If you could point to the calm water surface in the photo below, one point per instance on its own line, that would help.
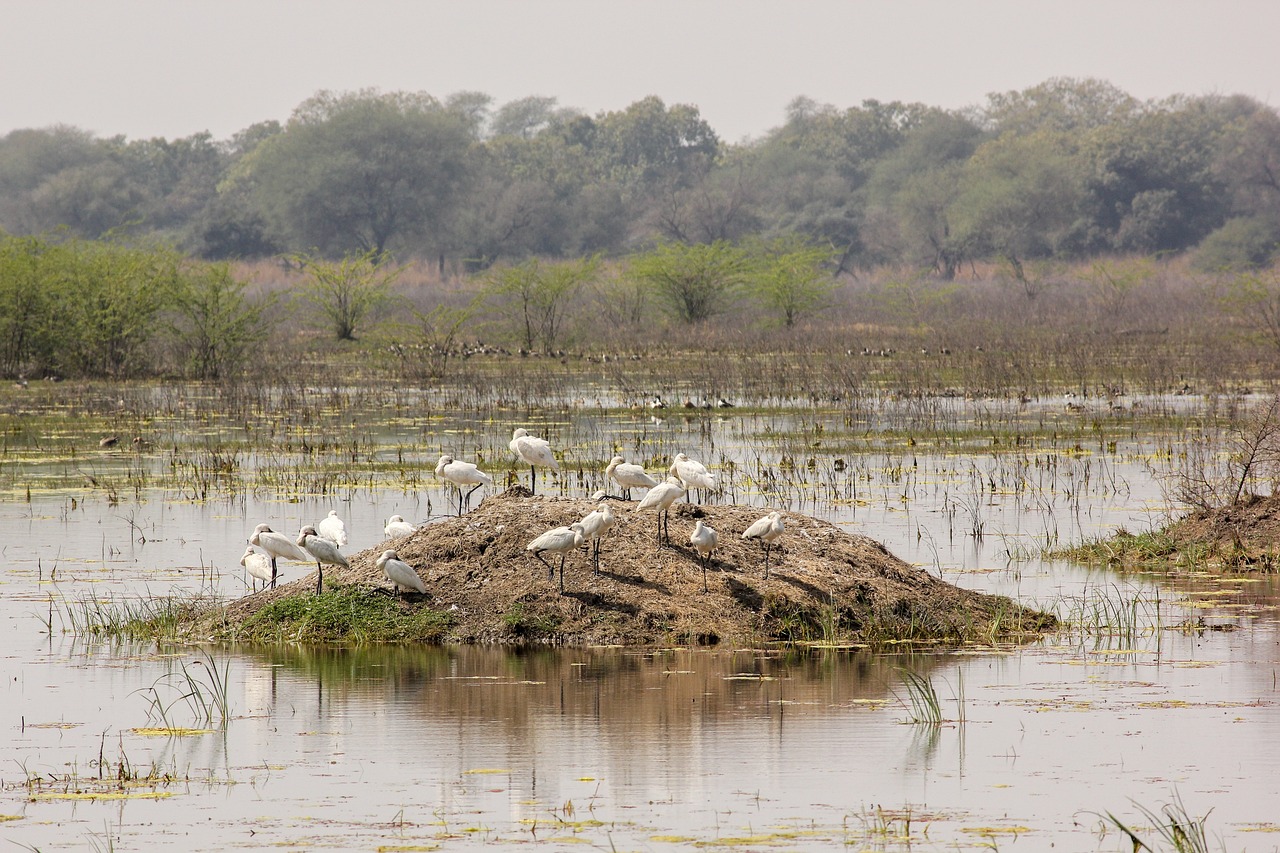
(624, 749)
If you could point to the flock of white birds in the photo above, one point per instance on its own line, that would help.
(322, 542)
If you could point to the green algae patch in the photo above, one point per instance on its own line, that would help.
(170, 731)
(102, 795)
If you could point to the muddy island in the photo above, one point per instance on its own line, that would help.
(483, 586)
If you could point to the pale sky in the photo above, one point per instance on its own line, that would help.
(171, 68)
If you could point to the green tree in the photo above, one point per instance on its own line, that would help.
(792, 278)
(216, 325)
(361, 171)
(26, 299)
(693, 282)
(1254, 298)
(347, 292)
(540, 296)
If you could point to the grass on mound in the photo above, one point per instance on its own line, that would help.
(346, 614)
(350, 614)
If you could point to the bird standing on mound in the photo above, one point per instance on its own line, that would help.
(258, 566)
(332, 528)
(400, 573)
(595, 525)
(322, 551)
(397, 527)
(558, 540)
(628, 476)
(277, 545)
(535, 452)
(463, 474)
(765, 530)
(661, 497)
(692, 473)
(704, 540)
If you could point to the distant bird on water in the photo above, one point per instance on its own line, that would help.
(558, 540)
(660, 498)
(628, 476)
(332, 528)
(534, 452)
(400, 573)
(704, 540)
(322, 551)
(259, 567)
(765, 530)
(397, 527)
(462, 474)
(277, 545)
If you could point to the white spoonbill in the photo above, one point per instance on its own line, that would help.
(322, 551)
(661, 497)
(693, 474)
(258, 566)
(397, 527)
(595, 525)
(766, 530)
(462, 474)
(277, 545)
(400, 573)
(332, 528)
(704, 540)
(533, 451)
(628, 476)
(558, 540)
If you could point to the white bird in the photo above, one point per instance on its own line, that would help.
(533, 451)
(397, 527)
(661, 497)
(628, 476)
(322, 551)
(332, 528)
(558, 540)
(277, 545)
(704, 540)
(400, 573)
(766, 530)
(462, 474)
(595, 525)
(258, 566)
(693, 474)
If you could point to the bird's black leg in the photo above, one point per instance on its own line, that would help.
(704, 574)
(473, 488)
(459, 501)
(273, 572)
(551, 570)
(766, 561)
(562, 556)
(533, 480)
(319, 577)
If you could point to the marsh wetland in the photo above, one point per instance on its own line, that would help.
(1155, 698)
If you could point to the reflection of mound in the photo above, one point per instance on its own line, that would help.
(823, 584)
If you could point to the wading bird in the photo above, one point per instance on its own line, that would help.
(558, 540)
(661, 497)
(765, 530)
(693, 474)
(628, 476)
(533, 451)
(462, 474)
(400, 573)
(332, 528)
(259, 567)
(595, 525)
(397, 527)
(322, 551)
(704, 540)
(277, 545)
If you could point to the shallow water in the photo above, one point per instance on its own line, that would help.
(652, 750)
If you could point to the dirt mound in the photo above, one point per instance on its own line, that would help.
(824, 583)
(1244, 535)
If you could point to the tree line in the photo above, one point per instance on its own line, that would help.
(1065, 170)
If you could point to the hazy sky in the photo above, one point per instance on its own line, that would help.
(171, 68)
